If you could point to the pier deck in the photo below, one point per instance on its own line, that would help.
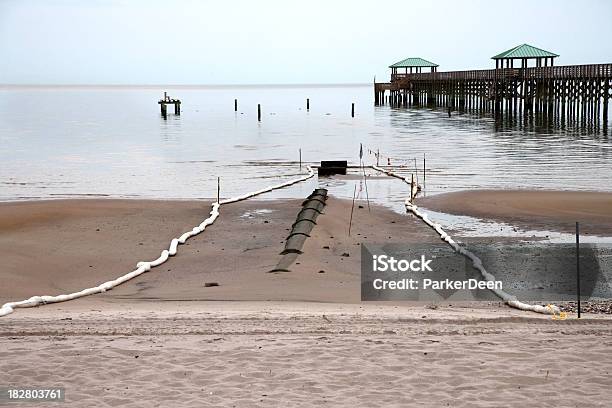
(535, 88)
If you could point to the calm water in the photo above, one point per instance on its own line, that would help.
(73, 142)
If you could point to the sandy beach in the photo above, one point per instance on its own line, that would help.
(259, 354)
(298, 338)
(532, 209)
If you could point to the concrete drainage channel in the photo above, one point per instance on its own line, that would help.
(305, 221)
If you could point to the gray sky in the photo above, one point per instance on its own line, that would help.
(264, 42)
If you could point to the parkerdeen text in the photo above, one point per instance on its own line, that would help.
(415, 284)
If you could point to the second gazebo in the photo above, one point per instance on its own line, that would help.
(524, 52)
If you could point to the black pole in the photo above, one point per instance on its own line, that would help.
(307, 104)
(352, 110)
(578, 265)
(235, 105)
(352, 208)
(258, 112)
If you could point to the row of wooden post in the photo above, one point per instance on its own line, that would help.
(307, 108)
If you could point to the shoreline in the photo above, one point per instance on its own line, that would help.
(554, 210)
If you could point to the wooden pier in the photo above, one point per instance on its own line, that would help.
(163, 103)
(581, 90)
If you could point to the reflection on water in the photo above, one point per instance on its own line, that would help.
(558, 120)
(66, 142)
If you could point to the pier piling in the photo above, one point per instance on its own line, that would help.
(258, 112)
(352, 110)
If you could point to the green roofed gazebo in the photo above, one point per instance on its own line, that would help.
(412, 63)
(524, 52)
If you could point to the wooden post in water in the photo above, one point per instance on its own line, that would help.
(411, 186)
(307, 104)
(258, 112)
(218, 189)
(235, 105)
(353, 110)
(300, 159)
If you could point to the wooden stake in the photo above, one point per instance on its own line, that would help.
(258, 112)
(300, 159)
(353, 110)
(218, 189)
(411, 186)
(307, 104)
(578, 266)
(352, 208)
(235, 105)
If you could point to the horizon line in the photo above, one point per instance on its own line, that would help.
(86, 85)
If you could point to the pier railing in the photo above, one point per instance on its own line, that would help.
(591, 71)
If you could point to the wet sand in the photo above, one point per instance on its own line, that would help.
(54, 247)
(528, 209)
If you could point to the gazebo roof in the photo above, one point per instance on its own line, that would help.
(413, 62)
(525, 51)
